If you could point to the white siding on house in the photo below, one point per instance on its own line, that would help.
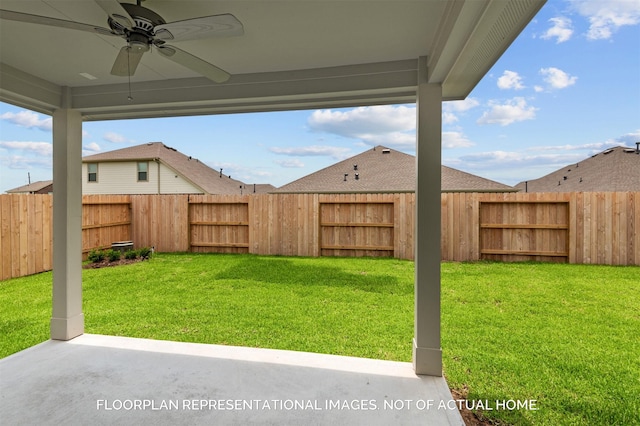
(172, 182)
(122, 178)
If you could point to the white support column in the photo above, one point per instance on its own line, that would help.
(427, 354)
(67, 320)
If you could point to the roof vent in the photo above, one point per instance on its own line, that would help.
(355, 167)
(386, 151)
(357, 176)
(609, 151)
(637, 147)
(345, 176)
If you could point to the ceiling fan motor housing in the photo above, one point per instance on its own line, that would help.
(138, 42)
(140, 35)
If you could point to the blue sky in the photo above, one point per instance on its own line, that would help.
(567, 88)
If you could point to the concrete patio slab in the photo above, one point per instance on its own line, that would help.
(103, 380)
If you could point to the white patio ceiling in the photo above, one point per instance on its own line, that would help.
(293, 55)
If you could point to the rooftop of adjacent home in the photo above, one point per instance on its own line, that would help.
(382, 169)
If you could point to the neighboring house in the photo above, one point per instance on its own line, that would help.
(384, 170)
(40, 187)
(614, 169)
(155, 168)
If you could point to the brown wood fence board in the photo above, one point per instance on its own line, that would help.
(575, 227)
(360, 223)
(633, 219)
(36, 231)
(521, 229)
(218, 225)
(5, 238)
(47, 233)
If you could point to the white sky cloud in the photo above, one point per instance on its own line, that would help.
(561, 30)
(290, 164)
(455, 140)
(241, 172)
(336, 152)
(535, 164)
(398, 140)
(373, 119)
(44, 149)
(28, 119)
(510, 80)
(606, 17)
(557, 79)
(461, 106)
(535, 161)
(20, 162)
(452, 109)
(115, 138)
(449, 117)
(389, 125)
(507, 113)
(91, 148)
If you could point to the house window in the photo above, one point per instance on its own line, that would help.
(92, 172)
(143, 168)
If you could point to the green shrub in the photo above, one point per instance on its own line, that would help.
(130, 254)
(113, 255)
(96, 256)
(145, 252)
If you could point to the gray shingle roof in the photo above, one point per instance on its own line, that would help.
(195, 171)
(384, 170)
(614, 169)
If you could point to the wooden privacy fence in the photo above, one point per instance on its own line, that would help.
(26, 231)
(601, 227)
(276, 224)
(105, 219)
(524, 230)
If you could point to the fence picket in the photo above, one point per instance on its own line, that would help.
(583, 227)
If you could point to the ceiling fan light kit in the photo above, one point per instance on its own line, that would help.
(143, 28)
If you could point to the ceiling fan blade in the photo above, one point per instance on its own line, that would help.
(116, 12)
(225, 25)
(194, 63)
(53, 22)
(126, 62)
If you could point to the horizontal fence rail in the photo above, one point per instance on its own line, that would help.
(598, 227)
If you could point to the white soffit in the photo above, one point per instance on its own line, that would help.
(293, 55)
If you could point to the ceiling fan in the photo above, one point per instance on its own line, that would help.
(143, 28)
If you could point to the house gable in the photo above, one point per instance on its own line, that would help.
(382, 169)
(614, 169)
(169, 172)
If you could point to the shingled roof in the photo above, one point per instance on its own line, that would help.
(614, 169)
(384, 170)
(192, 169)
(40, 187)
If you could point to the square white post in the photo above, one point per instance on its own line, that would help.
(67, 319)
(427, 354)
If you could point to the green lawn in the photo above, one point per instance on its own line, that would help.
(563, 335)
